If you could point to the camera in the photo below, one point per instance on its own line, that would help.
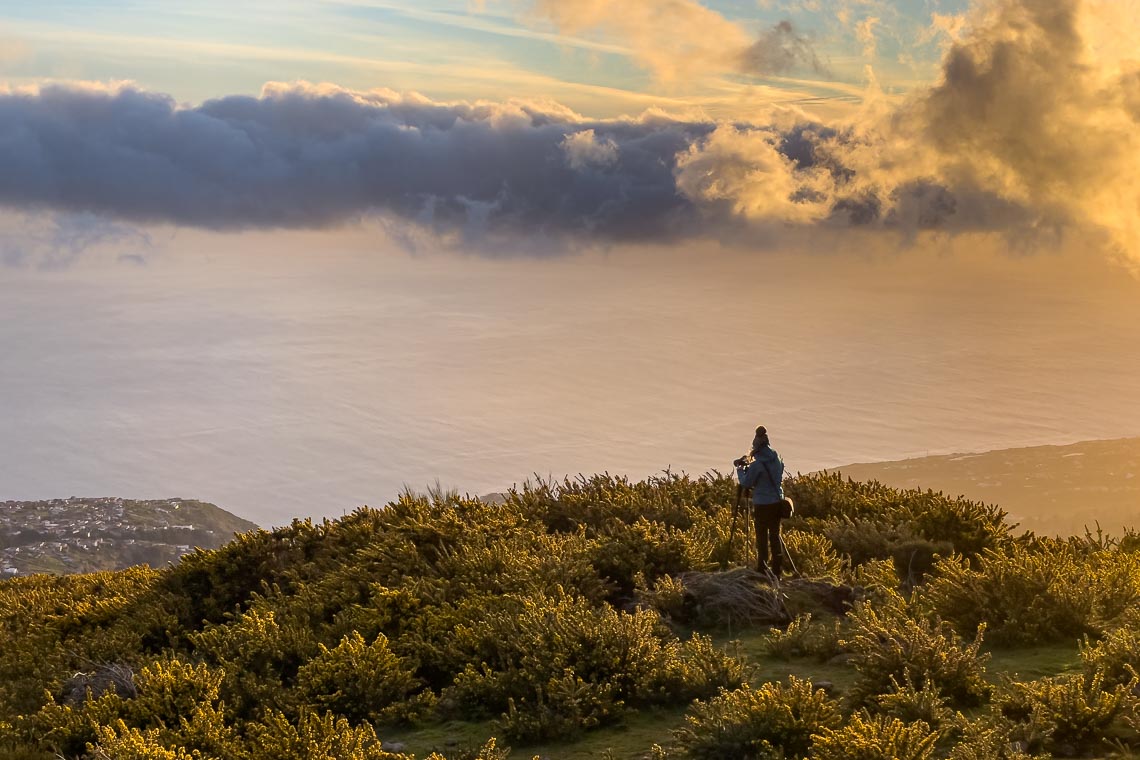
(743, 461)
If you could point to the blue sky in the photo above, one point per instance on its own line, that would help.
(445, 49)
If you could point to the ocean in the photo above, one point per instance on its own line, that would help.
(292, 383)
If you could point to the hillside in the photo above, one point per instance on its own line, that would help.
(592, 617)
(1052, 490)
(83, 535)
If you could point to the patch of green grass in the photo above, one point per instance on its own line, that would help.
(751, 645)
(1030, 663)
(445, 738)
(629, 740)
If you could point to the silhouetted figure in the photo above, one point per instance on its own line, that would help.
(765, 476)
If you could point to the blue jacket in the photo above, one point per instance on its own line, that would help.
(765, 489)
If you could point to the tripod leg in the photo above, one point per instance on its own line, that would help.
(788, 556)
(731, 539)
(732, 528)
(749, 527)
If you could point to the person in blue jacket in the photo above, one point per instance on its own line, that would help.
(765, 476)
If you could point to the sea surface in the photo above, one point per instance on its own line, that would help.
(299, 383)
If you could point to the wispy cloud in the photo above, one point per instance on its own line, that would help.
(681, 39)
(57, 240)
(482, 20)
(12, 49)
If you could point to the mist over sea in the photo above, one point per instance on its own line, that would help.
(306, 384)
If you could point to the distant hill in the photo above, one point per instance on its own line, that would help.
(80, 535)
(1046, 489)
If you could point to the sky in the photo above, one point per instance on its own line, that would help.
(950, 171)
(575, 53)
(574, 123)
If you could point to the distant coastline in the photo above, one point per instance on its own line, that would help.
(1050, 490)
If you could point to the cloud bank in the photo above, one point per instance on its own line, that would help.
(1032, 129)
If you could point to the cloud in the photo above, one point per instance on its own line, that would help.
(58, 240)
(1030, 131)
(584, 149)
(682, 39)
(779, 50)
(12, 50)
(302, 156)
(1032, 126)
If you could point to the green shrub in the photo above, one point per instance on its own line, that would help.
(1066, 714)
(178, 699)
(360, 681)
(814, 555)
(624, 552)
(1116, 657)
(259, 656)
(695, 669)
(490, 750)
(667, 597)
(891, 647)
(1023, 596)
(968, 527)
(560, 709)
(774, 721)
(910, 704)
(988, 739)
(314, 736)
(804, 637)
(120, 742)
(875, 738)
(547, 648)
(876, 576)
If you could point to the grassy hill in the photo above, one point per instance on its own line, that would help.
(83, 535)
(590, 618)
(1055, 490)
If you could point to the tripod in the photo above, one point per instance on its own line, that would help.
(741, 506)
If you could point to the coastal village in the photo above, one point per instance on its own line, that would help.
(76, 535)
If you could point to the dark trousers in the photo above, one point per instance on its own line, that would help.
(767, 519)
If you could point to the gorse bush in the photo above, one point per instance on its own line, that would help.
(552, 653)
(891, 647)
(174, 700)
(120, 742)
(314, 736)
(361, 681)
(814, 555)
(805, 637)
(969, 527)
(565, 607)
(1022, 595)
(910, 704)
(776, 721)
(1037, 592)
(875, 738)
(1115, 659)
(1068, 714)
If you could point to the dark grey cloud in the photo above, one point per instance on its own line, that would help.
(308, 157)
(316, 157)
